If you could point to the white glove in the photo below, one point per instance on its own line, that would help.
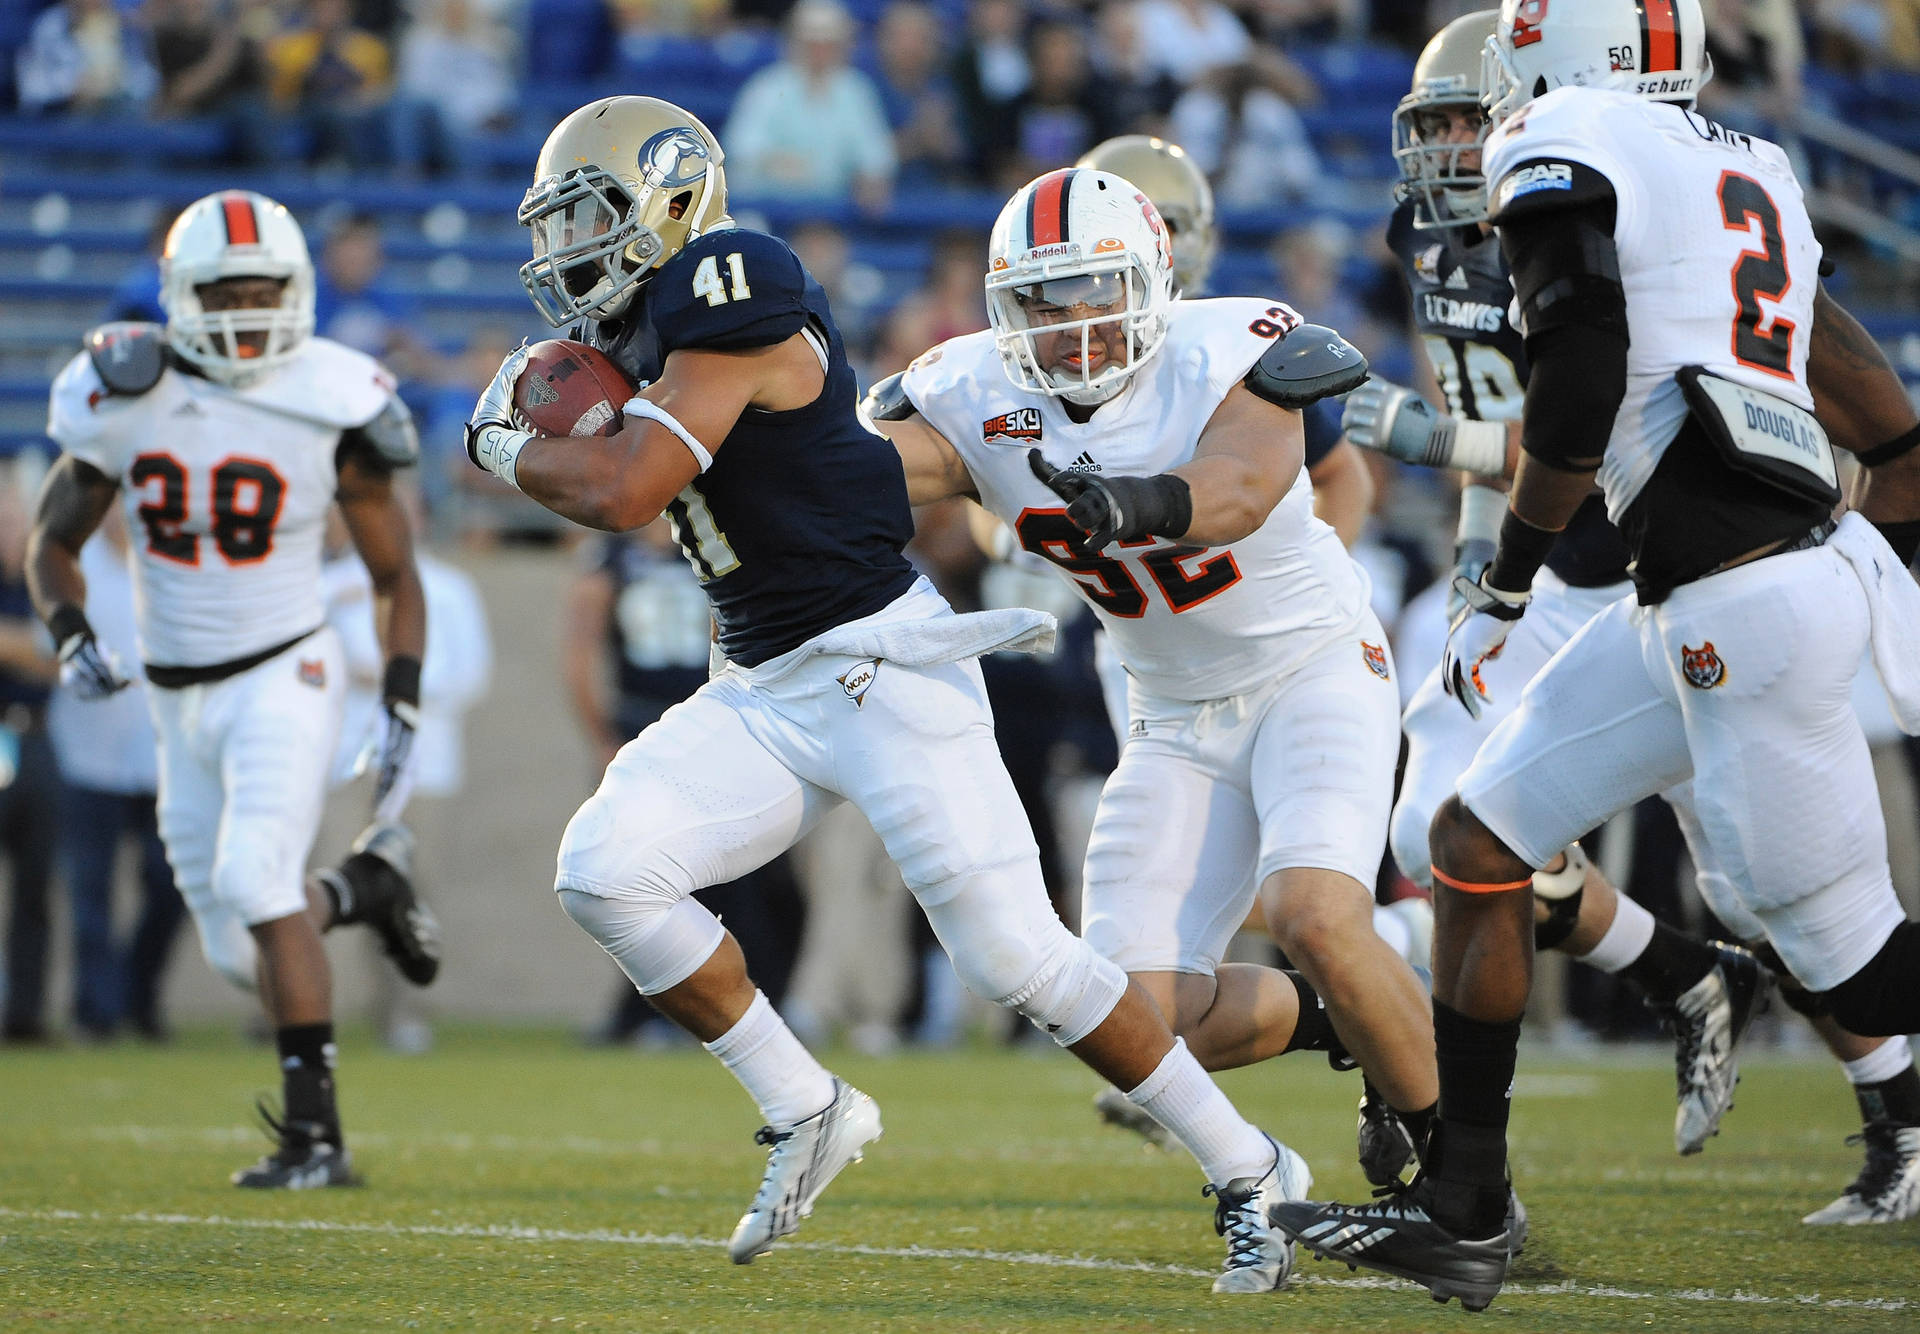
(493, 440)
(388, 753)
(89, 669)
(1479, 632)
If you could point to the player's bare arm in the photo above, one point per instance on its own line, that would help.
(381, 534)
(73, 501)
(1342, 492)
(1244, 462)
(933, 466)
(1865, 410)
(623, 481)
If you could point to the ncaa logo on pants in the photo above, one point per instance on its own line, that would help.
(1702, 666)
(858, 679)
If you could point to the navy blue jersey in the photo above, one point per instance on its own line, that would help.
(799, 524)
(1461, 297)
(657, 627)
(1322, 425)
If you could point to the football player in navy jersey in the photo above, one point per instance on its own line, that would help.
(1461, 293)
(845, 675)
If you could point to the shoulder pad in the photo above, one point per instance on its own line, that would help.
(887, 401)
(1547, 184)
(392, 436)
(1308, 364)
(129, 356)
(729, 291)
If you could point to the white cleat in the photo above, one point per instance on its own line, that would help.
(1259, 1255)
(801, 1160)
(1116, 1109)
(1888, 1187)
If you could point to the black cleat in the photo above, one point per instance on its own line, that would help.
(1708, 1021)
(309, 1156)
(374, 887)
(1386, 1146)
(1396, 1235)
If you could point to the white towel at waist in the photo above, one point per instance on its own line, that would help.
(1893, 602)
(919, 629)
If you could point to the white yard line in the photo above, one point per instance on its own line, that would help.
(611, 1237)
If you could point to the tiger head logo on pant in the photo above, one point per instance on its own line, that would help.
(1703, 667)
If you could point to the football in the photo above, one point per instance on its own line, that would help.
(568, 388)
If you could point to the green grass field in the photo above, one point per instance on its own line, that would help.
(516, 1182)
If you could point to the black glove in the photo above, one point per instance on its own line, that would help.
(1118, 509)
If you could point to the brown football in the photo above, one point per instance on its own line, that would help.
(568, 388)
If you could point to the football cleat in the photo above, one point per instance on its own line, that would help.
(1888, 1187)
(1386, 1146)
(1259, 1256)
(1397, 1235)
(1708, 1020)
(1116, 1109)
(374, 887)
(308, 1156)
(801, 1160)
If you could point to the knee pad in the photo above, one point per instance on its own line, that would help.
(1797, 998)
(229, 950)
(258, 888)
(1883, 998)
(1560, 892)
(658, 941)
(1072, 991)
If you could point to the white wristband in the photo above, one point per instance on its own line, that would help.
(1480, 447)
(1482, 511)
(497, 449)
(646, 407)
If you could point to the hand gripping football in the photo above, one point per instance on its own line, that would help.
(568, 388)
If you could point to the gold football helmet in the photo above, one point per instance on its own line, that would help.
(1178, 188)
(1434, 171)
(621, 187)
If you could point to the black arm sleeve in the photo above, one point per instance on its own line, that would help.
(1566, 275)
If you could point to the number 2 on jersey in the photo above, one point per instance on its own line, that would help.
(247, 494)
(1758, 274)
(1051, 535)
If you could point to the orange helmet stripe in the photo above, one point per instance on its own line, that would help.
(1659, 36)
(1047, 209)
(242, 228)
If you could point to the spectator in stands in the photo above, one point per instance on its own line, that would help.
(1061, 115)
(1865, 34)
(30, 792)
(1135, 90)
(337, 78)
(989, 75)
(917, 93)
(1757, 55)
(810, 126)
(211, 67)
(1189, 37)
(353, 304)
(455, 84)
(83, 56)
(1240, 126)
(644, 19)
(636, 643)
(1286, 21)
(854, 287)
(109, 762)
(951, 303)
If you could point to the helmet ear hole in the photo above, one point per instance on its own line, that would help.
(678, 205)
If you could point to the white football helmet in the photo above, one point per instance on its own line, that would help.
(621, 187)
(1434, 173)
(1072, 240)
(1656, 49)
(236, 234)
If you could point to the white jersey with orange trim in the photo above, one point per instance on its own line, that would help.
(1717, 255)
(226, 490)
(1189, 622)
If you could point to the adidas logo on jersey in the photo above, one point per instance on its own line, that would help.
(1084, 463)
(1022, 424)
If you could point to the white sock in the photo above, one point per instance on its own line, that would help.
(1184, 1099)
(1626, 938)
(1881, 1064)
(778, 1073)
